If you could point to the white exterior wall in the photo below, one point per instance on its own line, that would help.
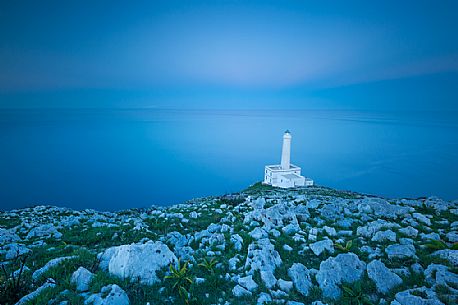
(286, 151)
(277, 178)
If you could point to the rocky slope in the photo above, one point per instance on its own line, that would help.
(262, 246)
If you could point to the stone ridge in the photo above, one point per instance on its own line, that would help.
(264, 245)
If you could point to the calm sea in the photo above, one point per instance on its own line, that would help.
(110, 159)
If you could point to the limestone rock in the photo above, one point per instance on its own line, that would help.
(268, 278)
(322, 245)
(450, 255)
(47, 230)
(409, 231)
(437, 274)
(13, 250)
(384, 279)
(291, 229)
(258, 233)
(26, 299)
(81, 278)
(301, 278)
(52, 263)
(264, 298)
(344, 268)
(109, 295)
(285, 285)
(237, 241)
(262, 256)
(138, 261)
(239, 291)
(7, 236)
(417, 296)
(422, 218)
(400, 251)
(452, 236)
(248, 283)
(382, 236)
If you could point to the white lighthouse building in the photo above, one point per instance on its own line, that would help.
(285, 174)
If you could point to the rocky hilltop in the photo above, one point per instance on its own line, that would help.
(263, 245)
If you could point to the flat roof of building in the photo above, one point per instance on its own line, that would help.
(277, 167)
(291, 176)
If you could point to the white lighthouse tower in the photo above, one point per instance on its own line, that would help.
(285, 174)
(286, 150)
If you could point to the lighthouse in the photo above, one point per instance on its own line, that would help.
(286, 150)
(285, 174)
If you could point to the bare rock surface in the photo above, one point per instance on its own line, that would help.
(261, 245)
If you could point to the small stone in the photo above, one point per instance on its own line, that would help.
(248, 283)
(258, 233)
(268, 278)
(422, 218)
(109, 295)
(263, 298)
(294, 303)
(291, 229)
(330, 231)
(409, 231)
(285, 285)
(400, 251)
(287, 248)
(322, 245)
(382, 236)
(81, 278)
(239, 291)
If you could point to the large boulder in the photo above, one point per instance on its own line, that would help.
(137, 261)
(301, 278)
(344, 268)
(384, 278)
(109, 295)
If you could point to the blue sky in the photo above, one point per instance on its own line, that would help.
(230, 54)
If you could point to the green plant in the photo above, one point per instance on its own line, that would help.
(13, 284)
(209, 265)
(354, 295)
(436, 245)
(345, 248)
(182, 279)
